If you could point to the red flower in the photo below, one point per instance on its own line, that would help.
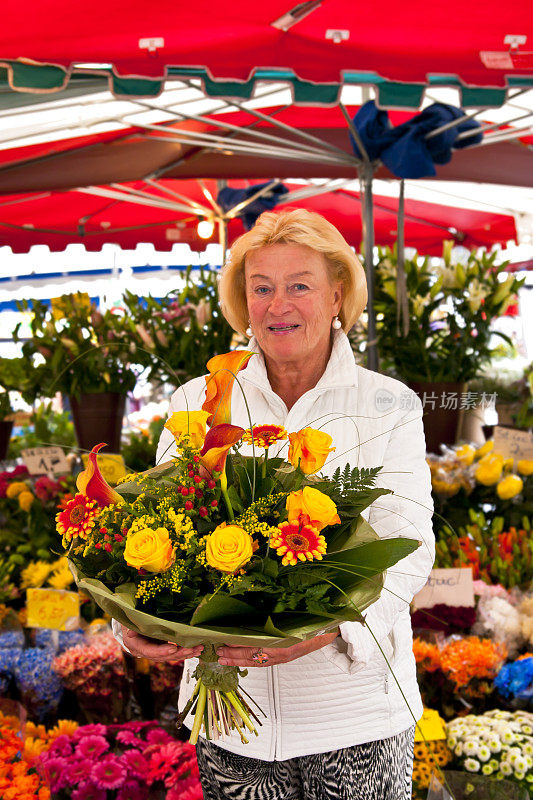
(90, 482)
(78, 517)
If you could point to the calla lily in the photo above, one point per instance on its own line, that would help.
(218, 442)
(92, 484)
(219, 384)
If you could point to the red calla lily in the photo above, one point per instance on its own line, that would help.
(219, 384)
(218, 442)
(91, 482)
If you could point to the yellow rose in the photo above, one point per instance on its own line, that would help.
(489, 469)
(525, 466)
(14, 489)
(25, 499)
(484, 449)
(320, 508)
(228, 548)
(465, 454)
(192, 423)
(149, 549)
(309, 449)
(509, 487)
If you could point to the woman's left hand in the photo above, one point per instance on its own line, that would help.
(243, 656)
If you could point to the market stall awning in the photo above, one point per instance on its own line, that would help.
(228, 45)
(169, 213)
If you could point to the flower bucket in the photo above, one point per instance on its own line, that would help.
(442, 411)
(6, 426)
(97, 418)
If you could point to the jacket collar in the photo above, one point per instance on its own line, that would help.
(341, 369)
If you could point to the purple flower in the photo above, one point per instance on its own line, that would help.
(88, 791)
(108, 773)
(92, 746)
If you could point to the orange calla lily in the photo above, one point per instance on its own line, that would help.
(218, 442)
(92, 484)
(219, 384)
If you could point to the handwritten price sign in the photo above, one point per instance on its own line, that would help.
(430, 727)
(53, 608)
(453, 587)
(512, 443)
(45, 461)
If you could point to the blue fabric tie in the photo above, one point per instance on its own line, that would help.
(404, 149)
(228, 198)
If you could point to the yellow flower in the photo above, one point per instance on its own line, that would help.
(525, 466)
(25, 500)
(320, 509)
(33, 748)
(64, 727)
(509, 487)
(508, 464)
(465, 454)
(489, 469)
(14, 489)
(488, 447)
(309, 449)
(34, 575)
(188, 423)
(61, 576)
(228, 548)
(149, 549)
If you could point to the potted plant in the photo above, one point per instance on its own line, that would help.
(177, 334)
(448, 339)
(87, 356)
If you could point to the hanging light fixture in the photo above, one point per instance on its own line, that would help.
(205, 228)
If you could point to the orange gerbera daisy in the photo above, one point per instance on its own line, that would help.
(78, 517)
(298, 543)
(65, 500)
(265, 435)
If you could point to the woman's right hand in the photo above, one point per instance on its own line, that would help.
(155, 650)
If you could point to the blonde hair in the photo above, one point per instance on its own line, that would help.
(293, 226)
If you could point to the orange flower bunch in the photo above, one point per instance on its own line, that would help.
(429, 757)
(427, 655)
(18, 780)
(472, 657)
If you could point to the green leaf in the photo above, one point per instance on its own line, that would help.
(371, 558)
(220, 606)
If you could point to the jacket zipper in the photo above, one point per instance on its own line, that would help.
(275, 715)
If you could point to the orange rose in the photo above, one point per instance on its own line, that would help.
(320, 509)
(309, 449)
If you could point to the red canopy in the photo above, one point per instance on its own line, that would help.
(60, 218)
(399, 41)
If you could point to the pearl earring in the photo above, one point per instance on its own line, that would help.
(336, 324)
(249, 332)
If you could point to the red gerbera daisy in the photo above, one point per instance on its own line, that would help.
(298, 543)
(264, 435)
(78, 517)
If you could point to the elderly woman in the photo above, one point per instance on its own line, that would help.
(341, 707)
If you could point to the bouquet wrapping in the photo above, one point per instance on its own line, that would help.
(233, 541)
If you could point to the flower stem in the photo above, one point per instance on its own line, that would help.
(264, 464)
(198, 717)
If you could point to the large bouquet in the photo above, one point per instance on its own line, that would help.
(214, 548)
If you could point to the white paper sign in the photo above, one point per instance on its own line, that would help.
(45, 460)
(452, 587)
(512, 443)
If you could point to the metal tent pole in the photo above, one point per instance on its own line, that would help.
(366, 175)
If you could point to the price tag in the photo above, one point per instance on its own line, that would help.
(45, 460)
(430, 727)
(452, 587)
(111, 465)
(53, 608)
(512, 443)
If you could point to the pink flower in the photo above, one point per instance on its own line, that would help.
(158, 736)
(164, 759)
(62, 746)
(55, 773)
(193, 792)
(79, 771)
(108, 773)
(88, 791)
(133, 791)
(86, 730)
(135, 763)
(129, 739)
(92, 746)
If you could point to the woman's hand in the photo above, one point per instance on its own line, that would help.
(155, 650)
(242, 656)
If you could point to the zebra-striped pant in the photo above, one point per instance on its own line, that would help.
(379, 770)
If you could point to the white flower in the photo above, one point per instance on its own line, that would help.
(483, 752)
(500, 776)
(487, 769)
(506, 768)
(459, 749)
(470, 747)
(528, 748)
(471, 765)
(519, 776)
(494, 763)
(520, 764)
(508, 737)
(495, 744)
(527, 729)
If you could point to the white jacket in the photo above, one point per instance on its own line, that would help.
(345, 693)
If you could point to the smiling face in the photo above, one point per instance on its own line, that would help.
(291, 302)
